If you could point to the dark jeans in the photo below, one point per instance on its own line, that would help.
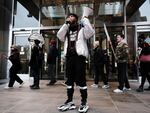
(52, 72)
(75, 73)
(122, 75)
(106, 74)
(145, 70)
(75, 70)
(99, 72)
(36, 76)
(13, 77)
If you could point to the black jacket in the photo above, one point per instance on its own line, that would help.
(145, 51)
(15, 60)
(36, 58)
(52, 54)
(98, 56)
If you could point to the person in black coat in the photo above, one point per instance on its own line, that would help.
(100, 60)
(51, 60)
(15, 68)
(35, 64)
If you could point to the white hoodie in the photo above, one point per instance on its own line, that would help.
(85, 33)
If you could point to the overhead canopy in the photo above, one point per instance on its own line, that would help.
(104, 10)
(132, 7)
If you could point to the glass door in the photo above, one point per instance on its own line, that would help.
(142, 33)
(50, 34)
(20, 38)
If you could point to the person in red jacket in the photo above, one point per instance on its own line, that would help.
(51, 60)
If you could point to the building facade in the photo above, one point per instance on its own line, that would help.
(21, 18)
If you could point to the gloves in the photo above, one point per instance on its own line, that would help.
(81, 23)
(68, 21)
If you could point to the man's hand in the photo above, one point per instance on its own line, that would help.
(68, 21)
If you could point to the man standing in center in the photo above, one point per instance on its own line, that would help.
(74, 36)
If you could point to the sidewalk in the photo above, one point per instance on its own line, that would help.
(48, 98)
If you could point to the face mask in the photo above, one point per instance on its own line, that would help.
(36, 42)
(73, 27)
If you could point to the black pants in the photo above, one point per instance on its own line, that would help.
(13, 77)
(99, 73)
(52, 72)
(75, 73)
(106, 74)
(122, 75)
(36, 76)
(145, 70)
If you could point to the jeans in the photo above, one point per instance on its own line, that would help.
(36, 76)
(75, 72)
(145, 70)
(52, 72)
(13, 77)
(122, 75)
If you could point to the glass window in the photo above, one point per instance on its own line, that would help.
(144, 10)
(110, 12)
(53, 11)
(111, 8)
(52, 15)
(23, 18)
(55, 15)
(78, 9)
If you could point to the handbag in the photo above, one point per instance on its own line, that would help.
(144, 58)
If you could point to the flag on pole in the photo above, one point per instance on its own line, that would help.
(108, 38)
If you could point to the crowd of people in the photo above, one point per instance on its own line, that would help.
(75, 36)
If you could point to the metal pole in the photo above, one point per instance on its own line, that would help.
(39, 15)
(10, 39)
(125, 20)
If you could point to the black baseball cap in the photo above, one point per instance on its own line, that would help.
(72, 14)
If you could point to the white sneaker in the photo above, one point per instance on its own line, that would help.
(126, 89)
(118, 91)
(21, 85)
(8, 87)
(94, 85)
(67, 106)
(105, 86)
(83, 108)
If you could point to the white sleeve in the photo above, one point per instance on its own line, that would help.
(88, 29)
(61, 34)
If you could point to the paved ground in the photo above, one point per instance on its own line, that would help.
(48, 98)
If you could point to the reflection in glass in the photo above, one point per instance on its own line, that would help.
(53, 11)
(23, 44)
(111, 8)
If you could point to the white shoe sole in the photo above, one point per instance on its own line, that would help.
(84, 111)
(66, 108)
